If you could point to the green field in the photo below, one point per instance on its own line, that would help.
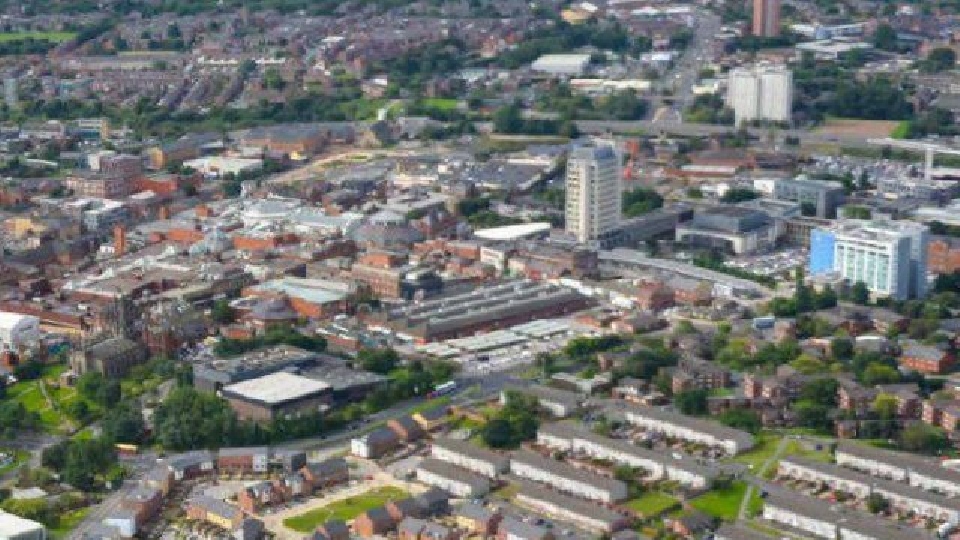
(443, 104)
(346, 510)
(56, 37)
(652, 504)
(30, 394)
(766, 447)
(725, 503)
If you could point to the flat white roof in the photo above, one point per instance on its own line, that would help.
(12, 526)
(276, 387)
(512, 232)
(11, 320)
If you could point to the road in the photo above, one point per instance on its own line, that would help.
(686, 70)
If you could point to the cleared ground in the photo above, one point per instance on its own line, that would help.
(852, 127)
(56, 37)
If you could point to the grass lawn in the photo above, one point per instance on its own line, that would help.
(725, 503)
(652, 504)
(347, 509)
(57, 37)
(507, 492)
(68, 522)
(19, 456)
(29, 394)
(761, 452)
(444, 104)
(431, 404)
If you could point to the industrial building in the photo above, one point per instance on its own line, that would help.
(280, 394)
(569, 65)
(214, 374)
(761, 92)
(890, 257)
(484, 308)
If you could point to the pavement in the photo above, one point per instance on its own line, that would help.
(745, 503)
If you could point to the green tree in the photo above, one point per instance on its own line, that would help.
(885, 405)
(876, 503)
(380, 361)
(823, 391)
(743, 419)
(885, 38)
(859, 293)
(876, 374)
(191, 419)
(222, 312)
(924, 438)
(692, 402)
(939, 59)
(841, 348)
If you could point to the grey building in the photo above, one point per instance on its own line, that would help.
(825, 196)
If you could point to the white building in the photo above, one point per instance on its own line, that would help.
(890, 257)
(470, 457)
(18, 331)
(17, 528)
(570, 65)
(760, 92)
(687, 428)
(915, 470)
(658, 466)
(458, 481)
(593, 193)
(563, 477)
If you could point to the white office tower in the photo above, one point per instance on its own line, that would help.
(760, 92)
(593, 193)
(890, 257)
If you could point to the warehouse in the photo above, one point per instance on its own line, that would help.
(482, 309)
(280, 394)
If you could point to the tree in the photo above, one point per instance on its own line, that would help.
(514, 423)
(736, 195)
(875, 374)
(640, 201)
(380, 361)
(885, 405)
(693, 402)
(841, 348)
(123, 424)
(876, 503)
(823, 391)
(939, 59)
(826, 298)
(924, 438)
(813, 415)
(508, 119)
(222, 313)
(859, 293)
(191, 419)
(808, 365)
(885, 38)
(743, 419)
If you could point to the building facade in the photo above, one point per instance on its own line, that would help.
(766, 18)
(593, 193)
(761, 92)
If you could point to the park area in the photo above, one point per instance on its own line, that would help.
(56, 37)
(345, 509)
(724, 503)
(652, 504)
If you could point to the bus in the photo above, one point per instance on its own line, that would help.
(443, 389)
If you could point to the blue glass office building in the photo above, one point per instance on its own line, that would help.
(822, 243)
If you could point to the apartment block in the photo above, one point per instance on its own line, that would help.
(567, 478)
(899, 466)
(584, 514)
(687, 428)
(458, 481)
(470, 457)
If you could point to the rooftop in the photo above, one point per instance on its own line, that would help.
(276, 388)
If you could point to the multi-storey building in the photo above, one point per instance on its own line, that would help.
(761, 92)
(943, 255)
(889, 257)
(593, 193)
(824, 196)
(766, 18)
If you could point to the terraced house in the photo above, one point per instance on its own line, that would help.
(687, 428)
(563, 477)
(470, 457)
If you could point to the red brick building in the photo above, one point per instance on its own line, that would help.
(943, 255)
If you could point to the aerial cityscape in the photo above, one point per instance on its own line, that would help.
(484, 269)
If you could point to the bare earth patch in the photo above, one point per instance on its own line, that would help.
(863, 128)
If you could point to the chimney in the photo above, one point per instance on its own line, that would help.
(119, 240)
